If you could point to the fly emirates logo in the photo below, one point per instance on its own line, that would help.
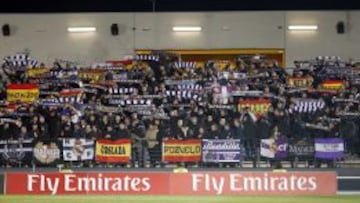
(262, 182)
(94, 183)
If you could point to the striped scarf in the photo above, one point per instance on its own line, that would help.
(307, 106)
(72, 99)
(63, 73)
(145, 57)
(112, 68)
(130, 102)
(72, 96)
(19, 60)
(183, 95)
(121, 90)
(184, 64)
(58, 101)
(189, 87)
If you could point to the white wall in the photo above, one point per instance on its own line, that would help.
(243, 30)
(324, 41)
(46, 36)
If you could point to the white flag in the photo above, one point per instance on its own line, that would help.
(78, 149)
(267, 148)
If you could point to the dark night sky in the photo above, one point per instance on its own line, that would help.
(20, 6)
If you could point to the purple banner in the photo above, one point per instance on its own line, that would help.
(329, 148)
(272, 148)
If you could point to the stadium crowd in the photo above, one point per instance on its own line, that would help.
(155, 98)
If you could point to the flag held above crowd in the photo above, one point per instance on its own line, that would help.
(258, 107)
(299, 82)
(333, 84)
(22, 92)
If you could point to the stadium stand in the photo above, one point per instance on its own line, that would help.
(149, 113)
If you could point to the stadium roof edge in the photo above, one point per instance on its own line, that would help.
(67, 6)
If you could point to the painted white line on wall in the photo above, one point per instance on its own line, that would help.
(348, 177)
(348, 192)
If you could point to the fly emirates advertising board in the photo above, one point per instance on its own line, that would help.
(195, 183)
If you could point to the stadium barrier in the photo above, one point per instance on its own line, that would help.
(71, 150)
(167, 183)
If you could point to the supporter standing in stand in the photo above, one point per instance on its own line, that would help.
(250, 137)
(53, 120)
(140, 144)
(152, 137)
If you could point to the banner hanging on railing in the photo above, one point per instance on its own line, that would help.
(78, 149)
(301, 149)
(271, 148)
(181, 150)
(329, 148)
(221, 150)
(16, 151)
(47, 153)
(113, 151)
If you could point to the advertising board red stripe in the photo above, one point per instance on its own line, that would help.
(167, 183)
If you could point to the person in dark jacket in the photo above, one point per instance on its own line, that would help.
(44, 129)
(109, 133)
(213, 133)
(227, 133)
(263, 128)
(237, 131)
(349, 132)
(121, 132)
(54, 124)
(104, 123)
(140, 144)
(201, 133)
(24, 134)
(6, 130)
(178, 131)
(66, 127)
(193, 127)
(250, 137)
(79, 132)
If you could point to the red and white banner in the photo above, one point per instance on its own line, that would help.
(195, 183)
(254, 183)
